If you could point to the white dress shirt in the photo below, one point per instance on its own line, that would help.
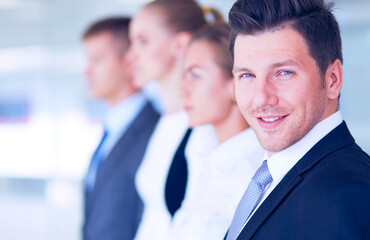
(280, 163)
(152, 174)
(219, 176)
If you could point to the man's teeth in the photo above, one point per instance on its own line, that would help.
(271, 119)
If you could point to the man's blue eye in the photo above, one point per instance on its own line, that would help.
(247, 75)
(285, 72)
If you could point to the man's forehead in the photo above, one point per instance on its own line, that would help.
(268, 50)
(280, 41)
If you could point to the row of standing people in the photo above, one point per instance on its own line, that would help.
(159, 44)
(182, 174)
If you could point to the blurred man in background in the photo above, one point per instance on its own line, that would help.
(112, 206)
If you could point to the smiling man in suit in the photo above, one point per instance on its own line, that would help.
(113, 208)
(314, 181)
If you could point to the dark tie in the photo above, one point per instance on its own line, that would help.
(177, 177)
(250, 200)
(95, 164)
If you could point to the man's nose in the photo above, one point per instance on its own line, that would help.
(265, 92)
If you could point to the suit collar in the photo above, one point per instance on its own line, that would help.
(280, 163)
(121, 115)
(338, 138)
(124, 145)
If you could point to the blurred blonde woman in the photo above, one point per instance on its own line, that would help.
(160, 34)
(219, 170)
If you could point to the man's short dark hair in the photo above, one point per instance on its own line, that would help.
(313, 19)
(117, 26)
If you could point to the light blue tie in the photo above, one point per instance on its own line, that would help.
(250, 200)
(95, 164)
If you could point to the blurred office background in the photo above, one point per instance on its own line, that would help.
(49, 126)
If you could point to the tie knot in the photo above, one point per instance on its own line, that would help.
(263, 176)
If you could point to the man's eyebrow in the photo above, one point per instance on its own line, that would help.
(240, 69)
(289, 62)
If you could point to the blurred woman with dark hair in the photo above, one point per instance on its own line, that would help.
(160, 34)
(219, 170)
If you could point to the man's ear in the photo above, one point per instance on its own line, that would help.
(180, 43)
(334, 79)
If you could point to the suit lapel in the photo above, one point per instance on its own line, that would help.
(338, 138)
(271, 202)
(121, 149)
(124, 147)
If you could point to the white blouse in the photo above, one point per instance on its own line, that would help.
(219, 175)
(152, 174)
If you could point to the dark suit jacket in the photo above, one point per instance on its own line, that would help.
(326, 195)
(113, 209)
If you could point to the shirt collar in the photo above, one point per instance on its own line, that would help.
(280, 163)
(241, 144)
(121, 115)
